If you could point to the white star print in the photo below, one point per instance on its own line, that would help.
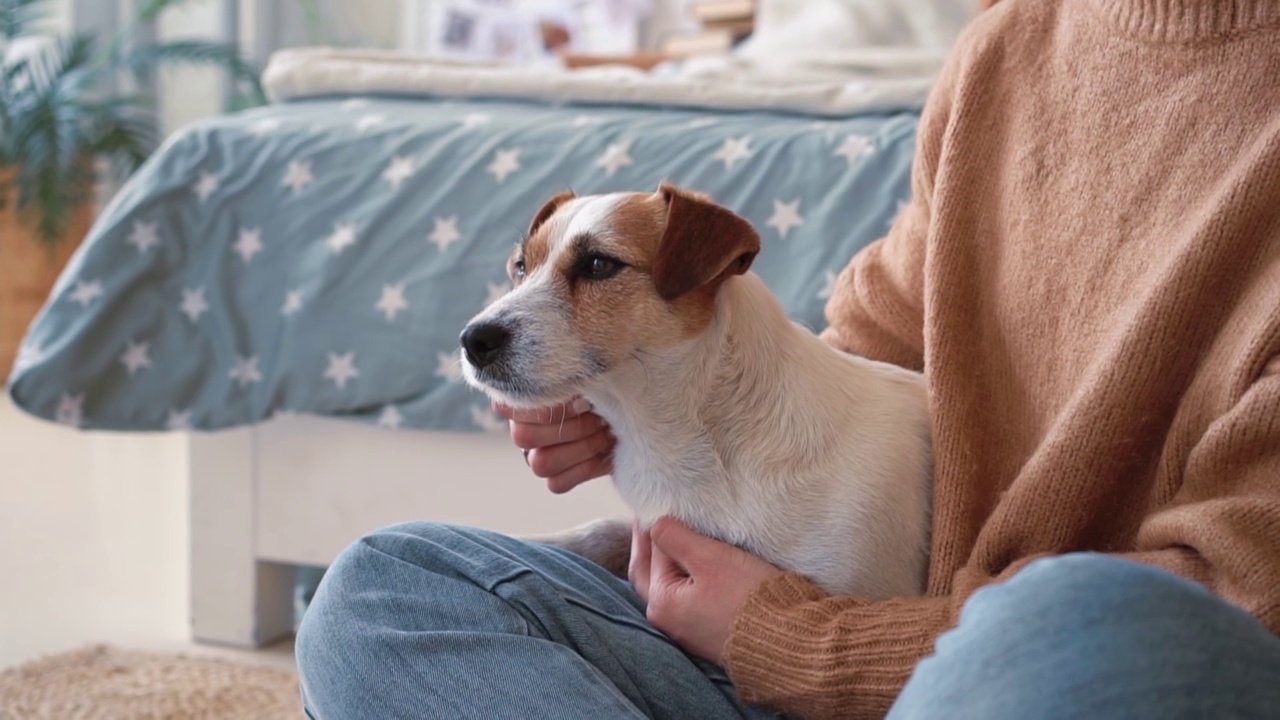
(341, 369)
(70, 410)
(292, 303)
(733, 150)
(144, 236)
(615, 156)
(445, 232)
(249, 244)
(399, 169)
(354, 104)
(785, 217)
(368, 122)
(392, 301)
(28, 355)
(245, 371)
(135, 357)
(86, 292)
(855, 148)
(390, 417)
(484, 418)
(496, 291)
(474, 119)
(179, 420)
(265, 127)
(193, 303)
(504, 163)
(343, 237)
(829, 286)
(206, 186)
(298, 176)
(449, 366)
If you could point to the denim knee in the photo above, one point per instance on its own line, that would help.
(1092, 636)
(1080, 586)
(338, 623)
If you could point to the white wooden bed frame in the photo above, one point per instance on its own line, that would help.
(297, 490)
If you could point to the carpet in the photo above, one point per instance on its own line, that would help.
(107, 683)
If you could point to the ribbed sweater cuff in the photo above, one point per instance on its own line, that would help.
(798, 650)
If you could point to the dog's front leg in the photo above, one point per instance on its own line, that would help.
(606, 543)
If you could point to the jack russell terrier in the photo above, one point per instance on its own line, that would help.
(728, 416)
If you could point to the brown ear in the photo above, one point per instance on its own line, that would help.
(703, 242)
(549, 209)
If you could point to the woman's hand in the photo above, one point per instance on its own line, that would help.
(567, 444)
(693, 586)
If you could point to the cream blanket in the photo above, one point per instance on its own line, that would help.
(875, 79)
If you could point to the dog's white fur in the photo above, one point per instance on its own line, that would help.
(754, 431)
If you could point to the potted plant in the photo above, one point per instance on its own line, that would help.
(69, 120)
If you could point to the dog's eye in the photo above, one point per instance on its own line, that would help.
(518, 266)
(600, 267)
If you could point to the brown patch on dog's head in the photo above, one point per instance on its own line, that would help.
(549, 208)
(536, 248)
(608, 281)
(702, 244)
(678, 247)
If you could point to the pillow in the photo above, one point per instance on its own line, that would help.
(791, 28)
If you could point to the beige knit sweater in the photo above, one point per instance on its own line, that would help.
(1089, 275)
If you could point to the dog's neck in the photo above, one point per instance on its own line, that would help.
(694, 420)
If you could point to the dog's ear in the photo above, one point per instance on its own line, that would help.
(702, 243)
(549, 209)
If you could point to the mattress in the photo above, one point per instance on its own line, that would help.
(320, 256)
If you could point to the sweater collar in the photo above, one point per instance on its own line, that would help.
(1181, 21)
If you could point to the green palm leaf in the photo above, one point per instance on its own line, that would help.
(142, 60)
(59, 115)
(18, 16)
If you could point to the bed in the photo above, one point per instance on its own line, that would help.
(286, 285)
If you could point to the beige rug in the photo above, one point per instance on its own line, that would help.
(106, 683)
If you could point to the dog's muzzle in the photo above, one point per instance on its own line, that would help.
(484, 343)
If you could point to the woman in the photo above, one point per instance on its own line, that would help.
(1089, 276)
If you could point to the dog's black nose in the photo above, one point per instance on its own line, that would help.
(484, 343)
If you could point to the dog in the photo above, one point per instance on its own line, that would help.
(728, 416)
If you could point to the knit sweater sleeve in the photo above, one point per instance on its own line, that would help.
(816, 656)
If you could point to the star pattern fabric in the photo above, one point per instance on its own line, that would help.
(144, 236)
(342, 369)
(322, 257)
(206, 186)
(248, 244)
(392, 301)
(446, 232)
(786, 216)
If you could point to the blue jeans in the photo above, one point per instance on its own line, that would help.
(431, 621)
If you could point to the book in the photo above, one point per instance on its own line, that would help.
(712, 41)
(710, 11)
(738, 28)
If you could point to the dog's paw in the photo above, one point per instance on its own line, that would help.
(605, 542)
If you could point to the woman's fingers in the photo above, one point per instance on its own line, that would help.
(596, 467)
(528, 435)
(552, 460)
(641, 561)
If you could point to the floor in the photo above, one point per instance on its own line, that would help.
(93, 542)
